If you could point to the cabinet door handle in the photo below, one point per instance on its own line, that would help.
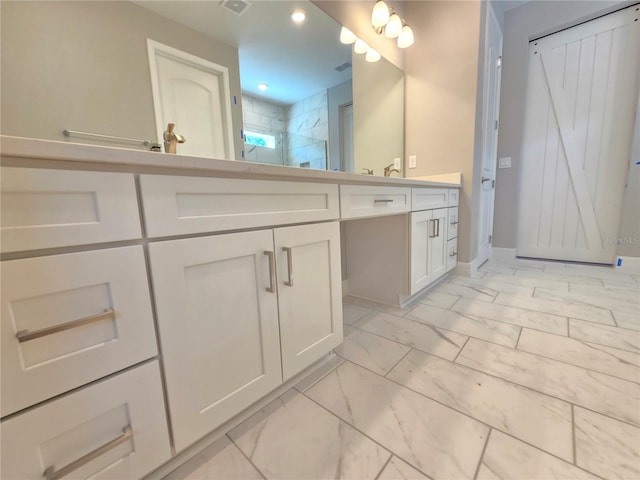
(438, 224)
(26, 335)
(289, 266)
(272, 272)
(453, 254)
(455, 222)
(52, 474)
(432, 222)
(383, 200)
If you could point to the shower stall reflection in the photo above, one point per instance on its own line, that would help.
(285, 148)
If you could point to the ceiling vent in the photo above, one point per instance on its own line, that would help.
(236, 6)
(343, 67)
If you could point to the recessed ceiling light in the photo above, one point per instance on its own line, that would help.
(298, 15)
(262, 86)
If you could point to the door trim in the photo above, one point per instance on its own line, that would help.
(156, 49)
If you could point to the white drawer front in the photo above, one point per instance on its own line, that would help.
(452, 222)
(452, 254)
(182, 205)
(428, 198)
(358, 201)
(55, 208)
(454, 197)
(42, 293)
(67, 431)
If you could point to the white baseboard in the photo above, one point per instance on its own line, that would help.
(628, 265)
(467, 269)
(498, 253)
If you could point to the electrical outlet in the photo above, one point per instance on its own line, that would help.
(504, 162)
(396, 164)
(412, 161)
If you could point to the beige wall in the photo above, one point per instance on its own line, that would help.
(442, 109)
(84, 66)
(521, 25)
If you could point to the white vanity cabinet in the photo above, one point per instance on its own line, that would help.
(428, 247)
(113, 429)
(452, 238)
(217, 302)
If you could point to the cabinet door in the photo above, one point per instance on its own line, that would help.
(309, 293)
(218, 327)
(438, 245)
(422, 227)
(113, 429)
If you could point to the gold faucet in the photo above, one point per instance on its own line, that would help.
(388, 170)
(367, 171)
(172, 139)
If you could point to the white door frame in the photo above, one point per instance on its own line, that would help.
(156, 49)
(491, 111)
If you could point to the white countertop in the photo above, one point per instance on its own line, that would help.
(16, 150)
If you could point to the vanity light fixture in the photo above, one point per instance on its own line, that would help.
(298, 15)
(372, 56)
(380, 14)
(262, 86)
(347, 36)
(385, 20)
(393, 28)
(360, 46)
(406, 37)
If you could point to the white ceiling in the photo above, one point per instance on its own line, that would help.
(296, 61)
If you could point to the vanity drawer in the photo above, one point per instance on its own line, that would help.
(55, 208)
(452, 254)
(452, 222)
(454, 197)
(183, 205)
(124, 414)
(429, 198)
(357, 201)
(70, 319)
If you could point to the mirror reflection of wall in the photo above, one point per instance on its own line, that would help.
(84, 66)
(378, 101)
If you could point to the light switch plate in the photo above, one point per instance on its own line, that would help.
(504, 162)
(396, 164)
(412, 161)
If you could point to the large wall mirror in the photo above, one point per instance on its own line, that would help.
(84, 66)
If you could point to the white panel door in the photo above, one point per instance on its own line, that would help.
(582, 92)
(309, 293)
(493, 70)
(194, 94)
(218, 327)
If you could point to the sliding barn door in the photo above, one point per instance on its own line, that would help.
(581, 96)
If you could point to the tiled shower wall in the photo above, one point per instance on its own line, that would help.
(308, 120)
(264, 117)
(307, 125)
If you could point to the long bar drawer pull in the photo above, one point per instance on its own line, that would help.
(51, 474)
(289, 283)
(26, 335)
(272, 272)
(383, 200)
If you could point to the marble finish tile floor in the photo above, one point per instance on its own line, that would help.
(528, 370)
